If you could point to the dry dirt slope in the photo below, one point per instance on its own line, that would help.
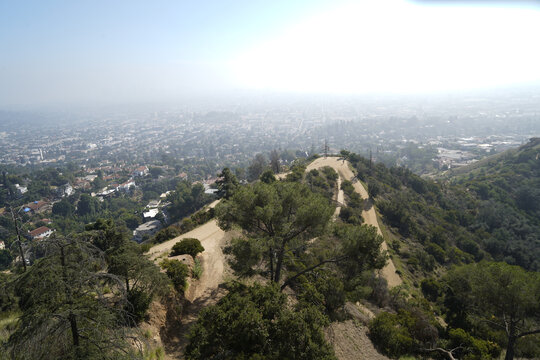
(350, 341)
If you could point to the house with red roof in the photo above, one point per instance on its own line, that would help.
(37, 207)
(41, 232)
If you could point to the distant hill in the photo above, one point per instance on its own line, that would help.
(524, 153)
(508, 187)
(488, 210)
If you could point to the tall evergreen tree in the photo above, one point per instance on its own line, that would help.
(65, 313)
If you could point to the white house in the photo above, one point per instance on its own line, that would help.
(21, 189)
(140, 171)
(150, 214)
(65, 190)
(125, 186)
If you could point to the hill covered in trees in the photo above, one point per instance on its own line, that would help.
(463, 243)
(486, 211)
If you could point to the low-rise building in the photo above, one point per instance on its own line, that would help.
(82, 183)
(146, 229)
(164, 195)
(150, 214)
(37, 207)
(126, 186)
(21, 189)
(65, 190)
(140, 171)
(153, 204)
(41, 232)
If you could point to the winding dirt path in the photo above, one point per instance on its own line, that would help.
(201, 293)
(370, 217)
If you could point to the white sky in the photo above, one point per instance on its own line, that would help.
(397, 46)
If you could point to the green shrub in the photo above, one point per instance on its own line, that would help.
(255, 323)
(189, 246)
(404, 333)
(187, 225)
(390, 337)
(177, 272)
(474, 349)
(438, 252)
(138, 304)
(246, 256)
(165, 234)
(5, 259)
(431, 289)
(145, 247)
(351, 215)
(197, 270)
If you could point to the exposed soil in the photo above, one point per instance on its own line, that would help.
(351, 342)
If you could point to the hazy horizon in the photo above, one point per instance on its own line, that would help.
(86, 53)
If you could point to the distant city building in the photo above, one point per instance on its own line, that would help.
(82, 183)
(153, 204)
(106, 193)
(164, 195)
(125, 186)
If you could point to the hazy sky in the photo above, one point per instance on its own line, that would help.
(122, 51)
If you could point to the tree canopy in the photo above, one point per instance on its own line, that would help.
(256, 323)
(65, 313)
(226, 183)
(503, 296)
(277, 215)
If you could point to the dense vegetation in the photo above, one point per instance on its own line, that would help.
(446, 227)
(83, 297)
(255, 323)
(483, 213)
(289, 239)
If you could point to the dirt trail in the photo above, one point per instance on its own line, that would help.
(351, 342)
(369, 215)
(340, 198)
(201, 293)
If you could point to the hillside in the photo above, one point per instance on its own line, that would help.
(507, 187)
(489, 210)
(445, 236)
(294, 267)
